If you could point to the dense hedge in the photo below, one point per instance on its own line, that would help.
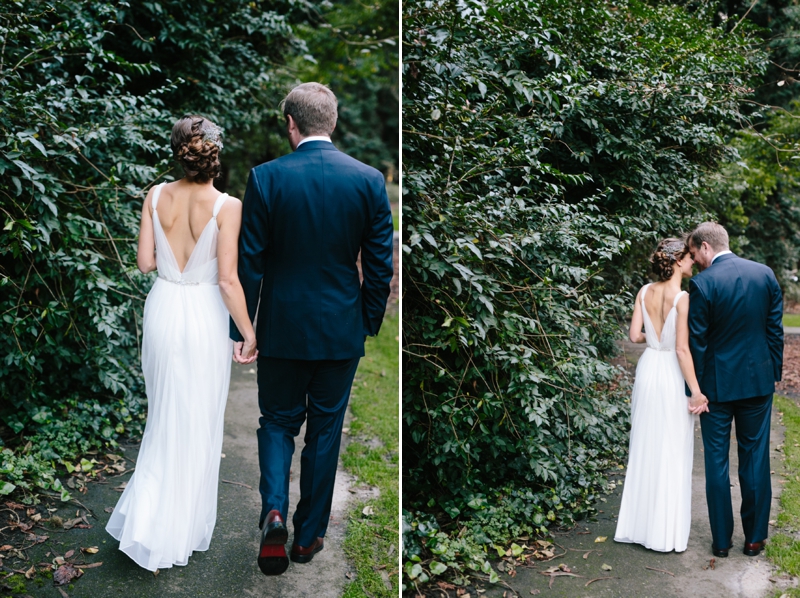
(546, 147)
(88, 94)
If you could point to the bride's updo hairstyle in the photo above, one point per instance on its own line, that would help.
(664, 257)
(196, 142)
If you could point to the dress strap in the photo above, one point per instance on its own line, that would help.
(678, 296)
(644, 291)
(156, 195)
(218, 204)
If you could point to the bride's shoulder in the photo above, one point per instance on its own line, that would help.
(230, 208)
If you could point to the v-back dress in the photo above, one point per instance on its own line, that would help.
(169, 507)
(656, 508)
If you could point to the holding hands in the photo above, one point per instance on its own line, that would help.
(245, 351)
(698, 403)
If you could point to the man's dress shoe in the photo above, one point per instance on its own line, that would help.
(272, 559)
(721, 552)
(754, 549)
(302, 554)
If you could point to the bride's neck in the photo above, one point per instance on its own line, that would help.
(675, 280)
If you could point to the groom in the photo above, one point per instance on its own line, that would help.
(305, 218)
(736, 341)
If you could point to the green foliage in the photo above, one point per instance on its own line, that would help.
(90, 91)
(27, 473)
(547, 147)
(353, 48)
(757, 197)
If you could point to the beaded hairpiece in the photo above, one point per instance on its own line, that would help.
(673, 248)
(212, 133)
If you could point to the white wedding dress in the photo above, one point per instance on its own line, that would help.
(656, 508)
(169, 507)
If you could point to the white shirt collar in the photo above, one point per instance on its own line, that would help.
(314, 138)
(719, 254)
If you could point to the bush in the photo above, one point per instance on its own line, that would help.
(89, 93)
(546, 148)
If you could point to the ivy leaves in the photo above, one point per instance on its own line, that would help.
(546, 147)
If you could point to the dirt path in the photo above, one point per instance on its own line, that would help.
(229, 567)
(634, 569)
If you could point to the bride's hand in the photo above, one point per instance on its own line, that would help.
(241, 349)
(249, 351)
(698, 403)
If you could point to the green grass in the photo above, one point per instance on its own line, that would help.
(792, 320)
(372, 541)
(393, 191)
(782, 549)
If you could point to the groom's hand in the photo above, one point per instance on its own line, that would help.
(698, 403)
(242, 354)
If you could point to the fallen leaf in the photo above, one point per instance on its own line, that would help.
(109, 509)
(606, 567)
(72, 522)
(36, 517)
(368, 510)
(535, 592)
(712, 563)
(69, 553)
(90, 565)
(14, 505)
(5, 547)
(65, 574)
(91, 550)
(445, 586)
(63, 593)
(59, 560)
(29, 574)
(601, 538)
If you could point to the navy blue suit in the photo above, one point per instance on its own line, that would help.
(736, 341)
(305, 218)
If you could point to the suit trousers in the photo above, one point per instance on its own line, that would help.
(290, 392)
(752, 417)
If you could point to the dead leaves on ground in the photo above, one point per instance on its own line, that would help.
(22, 519)
(791, 366)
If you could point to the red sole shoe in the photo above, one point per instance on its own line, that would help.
(272, 559)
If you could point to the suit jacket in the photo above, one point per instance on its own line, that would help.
(736, 329)
(305, 217)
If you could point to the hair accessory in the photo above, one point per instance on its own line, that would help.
(675, 247)
(212, 133)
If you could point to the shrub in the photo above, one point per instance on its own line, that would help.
(546, 147)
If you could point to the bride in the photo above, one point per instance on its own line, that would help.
(189, 233)
(656, 497)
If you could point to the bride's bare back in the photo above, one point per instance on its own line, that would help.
(184, 210)
(658, 302)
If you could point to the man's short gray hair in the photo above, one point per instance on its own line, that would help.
(709, 232)
(313, 108)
